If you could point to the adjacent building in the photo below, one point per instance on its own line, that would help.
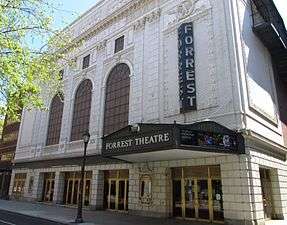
(8, 145)
(186, 105)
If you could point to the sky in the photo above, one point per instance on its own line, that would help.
(71, 9)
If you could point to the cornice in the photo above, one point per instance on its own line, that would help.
(150, 17)
(109, 19)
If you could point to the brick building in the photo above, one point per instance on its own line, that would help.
(8, 145)
(186, 105)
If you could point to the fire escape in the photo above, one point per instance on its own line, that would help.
(270, 29)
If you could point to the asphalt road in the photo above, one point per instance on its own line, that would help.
(9, 218)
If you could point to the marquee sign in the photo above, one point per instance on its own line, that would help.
(208, 139)
(204, 136)
(186, 66)
(130, 141)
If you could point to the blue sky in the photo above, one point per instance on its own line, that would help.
(71, 9)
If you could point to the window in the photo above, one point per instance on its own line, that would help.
(19, 184)
(55, 120)
(117, 99)
(119, 44)
(82, 109)
(7, 156)
(31, 184)
(86, 61)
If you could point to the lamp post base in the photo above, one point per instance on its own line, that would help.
(79, 220)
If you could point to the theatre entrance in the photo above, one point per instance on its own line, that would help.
(72, 188)
(266, 192)
(48, 187)
(197, 193)
(116, 190)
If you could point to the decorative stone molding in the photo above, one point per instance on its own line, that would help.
(124, 9)
(102, 45)
(187, 8)
(151, 17)
(139, 24)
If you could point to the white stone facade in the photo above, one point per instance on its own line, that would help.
(235, 87)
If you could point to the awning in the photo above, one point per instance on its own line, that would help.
(157, 142)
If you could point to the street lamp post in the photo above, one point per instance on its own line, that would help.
(79, 219)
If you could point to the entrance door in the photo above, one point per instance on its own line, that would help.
(198, 196)
(48, 190)
(118, 192)
(116, 189)
(190, 198)
(203, 199)
(217, 200)
(266, 192)
(72, 189)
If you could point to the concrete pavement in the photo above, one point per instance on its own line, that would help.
(11, 218)
(67, 215)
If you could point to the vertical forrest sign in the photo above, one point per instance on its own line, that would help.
(187, 87)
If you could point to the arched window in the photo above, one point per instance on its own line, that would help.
(117, 99)
(82, 110)
(55, 120)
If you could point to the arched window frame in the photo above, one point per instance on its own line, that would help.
(116, 114)
(55, 120)
(81, 113)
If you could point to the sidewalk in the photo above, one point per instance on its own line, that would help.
(67, 215)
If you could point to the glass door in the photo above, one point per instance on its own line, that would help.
(116, 189)
(48, 190)
(112, 194)
(266, 192)
(69, 193)
(72, 189)
(122, 205)
(177, 203)
(118, 192)
(190, 198)
(203, 199)
(76, 187)
(217, 200)
(198, 196)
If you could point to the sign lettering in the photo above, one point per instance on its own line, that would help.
(138, 141)
(186, 66)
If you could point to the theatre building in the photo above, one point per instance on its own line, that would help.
(185, 102)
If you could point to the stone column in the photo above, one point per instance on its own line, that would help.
(27, 194)
(11, 184)
(242, 197)
(97, 190)
(59, 186)
(161, 191)
(38, 186)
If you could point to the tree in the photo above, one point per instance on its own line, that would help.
(28, 74)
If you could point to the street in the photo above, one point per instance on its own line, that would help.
(9, 218)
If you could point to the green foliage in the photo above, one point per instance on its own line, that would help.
(28, 74)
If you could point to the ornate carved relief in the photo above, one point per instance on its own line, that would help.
(187, 8)
(151, 17)
(102, 45)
